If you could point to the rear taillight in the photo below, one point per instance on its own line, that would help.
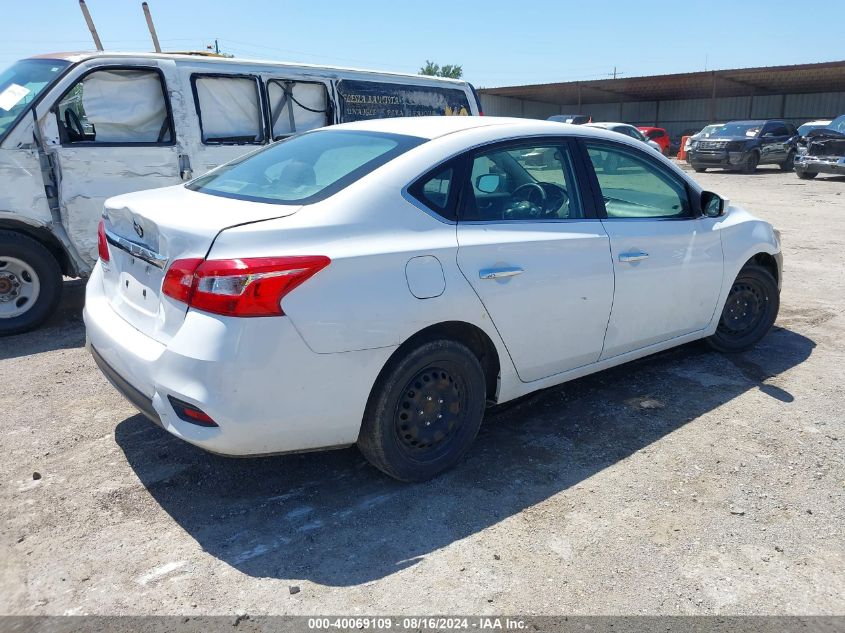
(249, 287)
(102, 243)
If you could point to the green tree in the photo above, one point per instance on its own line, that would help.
(451, 71)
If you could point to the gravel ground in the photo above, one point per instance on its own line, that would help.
(685, 483)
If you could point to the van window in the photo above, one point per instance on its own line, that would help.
(116, 106)
(361, 100)
(229, 109)
(21, 84)
(297, 106)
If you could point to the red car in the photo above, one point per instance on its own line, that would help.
(658, 135)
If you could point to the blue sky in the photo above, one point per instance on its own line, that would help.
(498, 43)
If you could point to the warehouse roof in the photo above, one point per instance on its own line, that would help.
(796, 79)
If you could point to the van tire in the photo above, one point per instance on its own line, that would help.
(27, 267)
(424, 411)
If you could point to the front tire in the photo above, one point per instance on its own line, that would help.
(789, 164)
(30, 283)
(806, 175)
(700, 170)
(424, 411)
(751, 163)
(750, 311)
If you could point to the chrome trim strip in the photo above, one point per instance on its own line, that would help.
(136, 250)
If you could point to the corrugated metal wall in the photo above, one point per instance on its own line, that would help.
(683, 115)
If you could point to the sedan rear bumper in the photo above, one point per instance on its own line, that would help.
(255, 377)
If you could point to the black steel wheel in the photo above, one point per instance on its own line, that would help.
(424, 412)
(749, 312)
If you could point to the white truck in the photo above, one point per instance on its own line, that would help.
(78, 128)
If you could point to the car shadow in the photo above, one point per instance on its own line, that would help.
(62, 330)
(332, 519)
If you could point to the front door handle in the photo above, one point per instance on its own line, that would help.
(499, 273)
(634, 256)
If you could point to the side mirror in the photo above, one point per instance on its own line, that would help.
(488, 183)
(712, 205)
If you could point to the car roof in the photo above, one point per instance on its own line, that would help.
(431, 127)
(607, 124)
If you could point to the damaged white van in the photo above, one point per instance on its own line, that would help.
(78, 128)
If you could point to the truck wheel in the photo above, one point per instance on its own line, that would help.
(750, 165)
(806, 175)
(750, 311)
(30, 283)
(425, 411)
(789, 163)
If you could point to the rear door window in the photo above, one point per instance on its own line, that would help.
(362, 100)
(229, 109)
(297, 106)
(116, 106)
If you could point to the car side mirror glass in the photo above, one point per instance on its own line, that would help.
(713, 205)
(488, 183)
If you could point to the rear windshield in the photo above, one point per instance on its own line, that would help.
(305, 168)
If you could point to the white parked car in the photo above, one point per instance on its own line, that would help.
(381, 282)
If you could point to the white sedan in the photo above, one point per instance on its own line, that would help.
(382, 282)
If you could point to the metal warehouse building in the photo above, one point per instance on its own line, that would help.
(687, 101)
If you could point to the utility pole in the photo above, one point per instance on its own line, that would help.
(151, 26)
(216, 46)
(90, 24)
(616, 72)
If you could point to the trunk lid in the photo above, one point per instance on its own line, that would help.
(148, 230)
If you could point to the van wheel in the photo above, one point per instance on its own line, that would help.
(789, 163)
(30, 283)
(424, 411)
(750, 311)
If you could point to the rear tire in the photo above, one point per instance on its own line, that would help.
(424, 411)
(30, 283)
(806, 175)
(751, 163)
(789, 164)
(749, 312)
(700, 170)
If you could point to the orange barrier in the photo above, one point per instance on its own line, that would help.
(682, 155)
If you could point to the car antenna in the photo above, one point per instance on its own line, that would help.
(91, 26)
(151, 26)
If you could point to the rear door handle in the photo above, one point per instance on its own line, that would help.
(499, 273)
(634, 256)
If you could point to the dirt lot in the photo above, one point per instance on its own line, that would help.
(684, 483)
